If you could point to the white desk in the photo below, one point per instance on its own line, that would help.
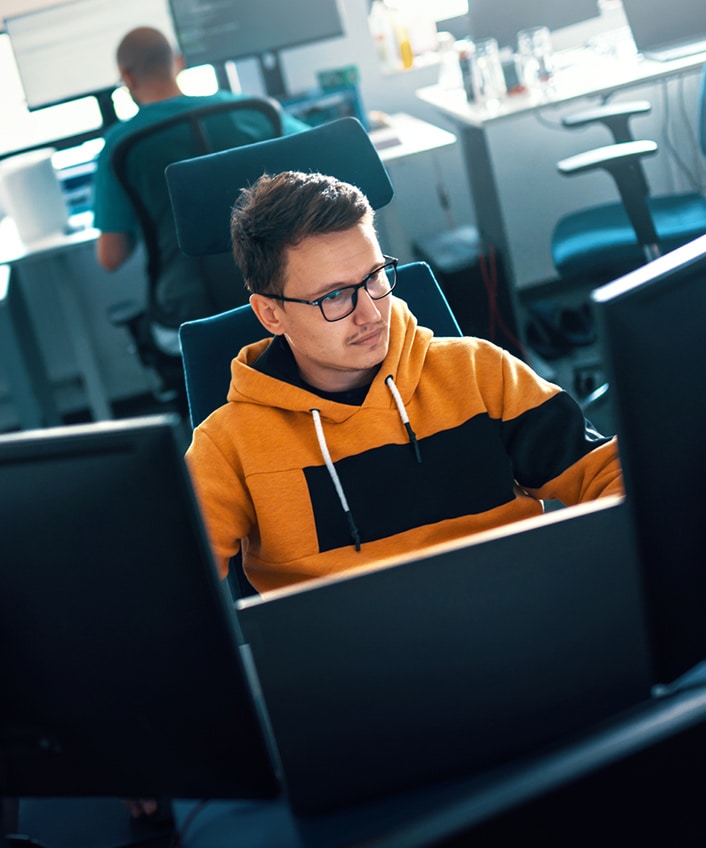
(405, 136)
(19, 352)
(407, 143)
(510, 159)
(25, 360)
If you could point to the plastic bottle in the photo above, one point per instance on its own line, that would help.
(382, 29)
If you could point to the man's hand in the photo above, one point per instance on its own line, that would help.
(141, 808)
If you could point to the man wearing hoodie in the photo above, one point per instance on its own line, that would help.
(355, 434)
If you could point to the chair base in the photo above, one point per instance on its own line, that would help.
(168, 370)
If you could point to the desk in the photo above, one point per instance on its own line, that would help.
(27, 359)
(19, 351)
(516, 205)
(402, 144)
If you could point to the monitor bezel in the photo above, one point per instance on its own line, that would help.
(647, 375)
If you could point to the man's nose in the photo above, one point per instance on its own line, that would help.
(366, 309)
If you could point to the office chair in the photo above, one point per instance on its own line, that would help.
(203, 191)
(603, 242)
(139, 162)
(595, 245)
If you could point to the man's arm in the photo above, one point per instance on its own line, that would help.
(113, 249)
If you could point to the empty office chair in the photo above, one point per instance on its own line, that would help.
(600, 243)
(594, 245)
(139, 161)
(203, 192)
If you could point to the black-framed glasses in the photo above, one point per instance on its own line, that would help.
(340, 303)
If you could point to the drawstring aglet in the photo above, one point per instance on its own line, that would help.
(355, 535)
(413, 441)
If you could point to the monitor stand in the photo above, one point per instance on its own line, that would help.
(272, 76)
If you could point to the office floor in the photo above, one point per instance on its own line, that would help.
(579, 368)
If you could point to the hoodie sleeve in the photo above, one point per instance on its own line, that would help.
(555, 451)
(225, 504)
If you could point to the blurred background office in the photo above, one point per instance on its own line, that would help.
(60, 89)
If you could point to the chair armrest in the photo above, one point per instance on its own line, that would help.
(611, 157)
(615, 116)
(624, 164)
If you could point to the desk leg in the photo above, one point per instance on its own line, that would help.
(81, 343)
(484, 191)
(31, 389)
(491, 220)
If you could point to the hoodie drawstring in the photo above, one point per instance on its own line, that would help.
(331, 468)
(355, 535)
(390, 383)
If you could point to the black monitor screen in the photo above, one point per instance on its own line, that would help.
(651, 325)
(212, 31)
(68, 51)
(503, 19)
(119, 657)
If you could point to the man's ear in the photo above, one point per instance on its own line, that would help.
(268, 313)
(129, 80)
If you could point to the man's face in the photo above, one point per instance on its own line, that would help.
(338, 355)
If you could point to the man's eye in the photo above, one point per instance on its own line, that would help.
(336, 296)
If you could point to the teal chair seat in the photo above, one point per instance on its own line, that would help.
(601, 238)
(599, 243)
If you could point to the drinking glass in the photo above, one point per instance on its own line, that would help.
(534, 46)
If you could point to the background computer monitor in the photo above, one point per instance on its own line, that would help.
(503, 19)
(651, 324)
(119, 658)
(68, 51)
(213, 31)
(656, 32)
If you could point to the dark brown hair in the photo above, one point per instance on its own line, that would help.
(278, 212)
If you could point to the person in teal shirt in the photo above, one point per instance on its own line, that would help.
(148, 66)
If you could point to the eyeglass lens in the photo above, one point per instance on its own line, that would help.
(339, 304)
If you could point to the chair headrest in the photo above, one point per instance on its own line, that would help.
(203, 190)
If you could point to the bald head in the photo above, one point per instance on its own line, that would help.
(148, 65)
(145, 52)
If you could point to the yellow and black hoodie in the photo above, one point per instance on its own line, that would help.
(453, 436)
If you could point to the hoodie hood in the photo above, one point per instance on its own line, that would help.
(405, 358)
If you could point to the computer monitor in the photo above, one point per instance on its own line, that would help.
(68, 51)
(651, 328)
(212, 31)
(659, 36)
(503, 20)
(119, 656)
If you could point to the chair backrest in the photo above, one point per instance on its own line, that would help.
(203, 190)
(209, 344)
(141, 158)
